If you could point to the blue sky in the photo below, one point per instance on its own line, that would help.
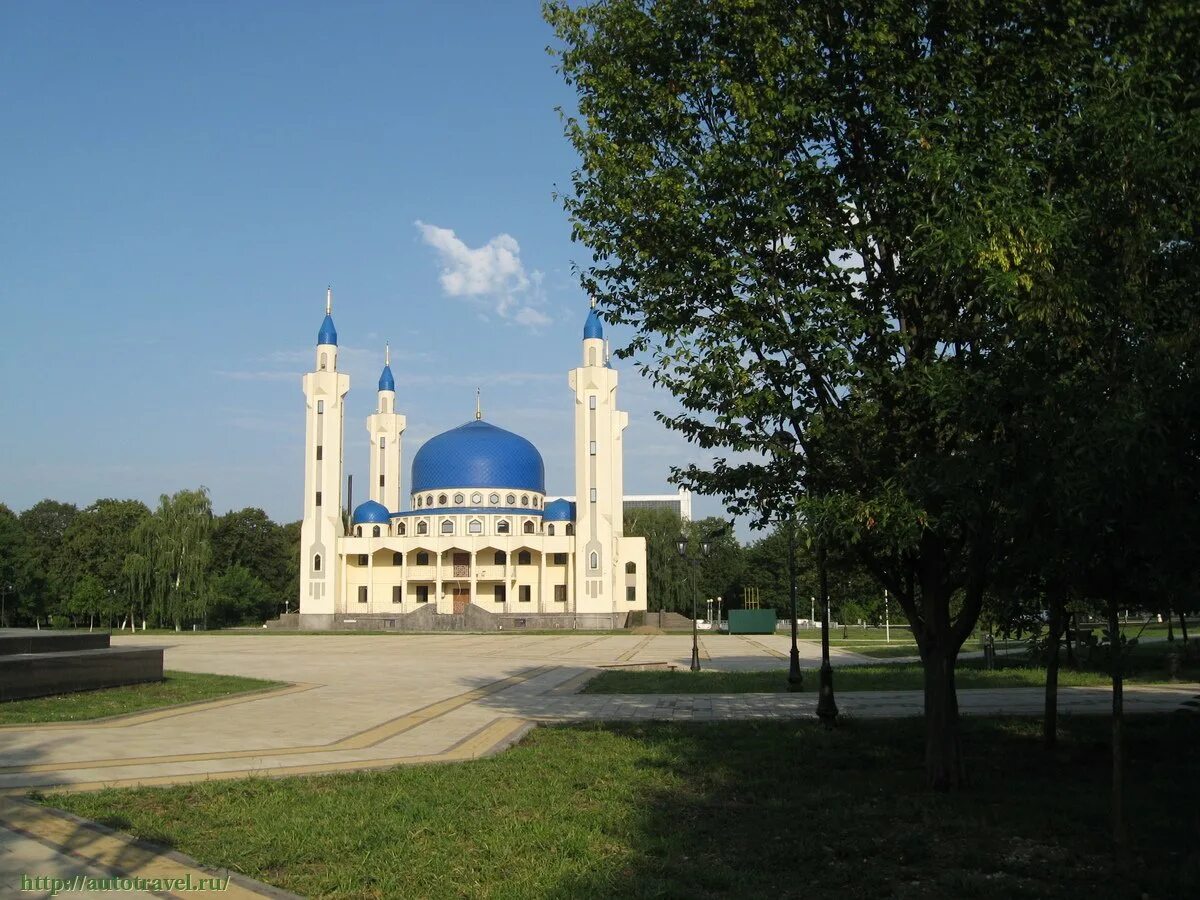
(182, 181)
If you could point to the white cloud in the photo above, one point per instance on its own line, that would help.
(493, 275)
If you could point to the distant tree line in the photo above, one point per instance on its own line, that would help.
(117, 562)
(732, 567)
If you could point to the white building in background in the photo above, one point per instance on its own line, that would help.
(480, 544)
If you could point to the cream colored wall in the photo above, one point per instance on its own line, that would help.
(321, 527)
(387, 424)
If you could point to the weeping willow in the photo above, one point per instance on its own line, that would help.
(169, 567)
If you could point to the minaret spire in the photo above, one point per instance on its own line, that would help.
(478, 406)
(328, 301)
(387, 353)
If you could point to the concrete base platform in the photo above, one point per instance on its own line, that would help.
(39, 663)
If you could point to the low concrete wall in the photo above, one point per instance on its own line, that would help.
(473, 619)
(39, 674)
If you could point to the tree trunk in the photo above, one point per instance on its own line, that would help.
(1170, 625)
(1183, 626)
(1072, 636)
(1050, 717)
(944, 768)
(1118, 715)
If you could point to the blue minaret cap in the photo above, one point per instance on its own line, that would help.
(593, 328)
(386, 381)
(328, 334)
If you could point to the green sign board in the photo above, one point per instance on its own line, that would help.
(752, 621)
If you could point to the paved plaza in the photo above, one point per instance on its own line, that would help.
(366, 702)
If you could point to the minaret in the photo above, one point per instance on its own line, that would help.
(599, 476)
(385, 428)
(325, 389)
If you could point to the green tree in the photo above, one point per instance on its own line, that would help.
(96, 543)
(248, 538)
(840, 223)
(45, 525)
(176, 544)
(290, 535)
(665, 571)
(237, 597)
(13, 553)
(89, 599)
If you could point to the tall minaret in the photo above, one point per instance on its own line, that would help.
(324, 391)
(599, 477)
(385, 428)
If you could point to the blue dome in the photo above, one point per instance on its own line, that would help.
(593, 328)
(327, 334)
(370, 513)
(386, 382)
(478, 455)
(559, 511)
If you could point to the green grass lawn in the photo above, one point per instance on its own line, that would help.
(731, 809)
(175, 688)
(1145, 664)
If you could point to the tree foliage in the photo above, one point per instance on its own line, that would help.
(858, 241)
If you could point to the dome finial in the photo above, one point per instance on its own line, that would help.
(328, 300)
(478, 406)
(387, 353)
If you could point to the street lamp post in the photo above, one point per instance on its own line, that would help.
(695, 561)
(827, 710)
(795, 679)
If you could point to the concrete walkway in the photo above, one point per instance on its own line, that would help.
(365, 702)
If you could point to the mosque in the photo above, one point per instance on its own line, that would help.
(481, 544)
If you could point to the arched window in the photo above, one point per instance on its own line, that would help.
(591, 356)
(630, 568)
(401, 528)
(475, 527)
(375, 531)
(422, 527)
(529, 527)
(550, 530)
(524, 558)
(324, 361)
(317, 563)
(397, 559)
(358, 531)
(501, 557)
(570, 528)
(422, 558)
(594, 560)
(447, 526)
(502, 526)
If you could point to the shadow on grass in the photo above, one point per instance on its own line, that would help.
(789, 809)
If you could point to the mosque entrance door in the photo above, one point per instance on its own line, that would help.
(462, 596)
